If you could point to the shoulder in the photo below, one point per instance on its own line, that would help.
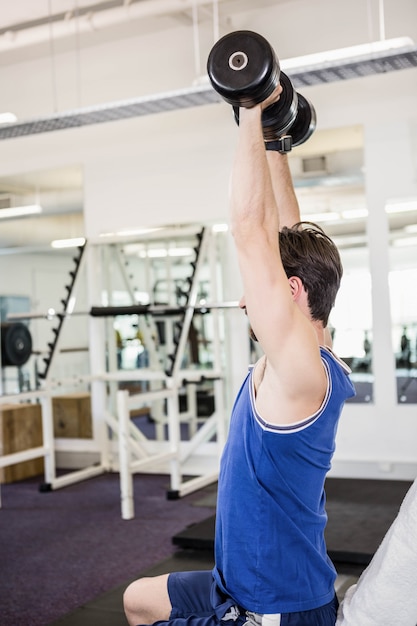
(280, 400)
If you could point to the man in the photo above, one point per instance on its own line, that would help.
(271, 566)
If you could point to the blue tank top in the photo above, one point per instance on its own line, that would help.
(270, 551)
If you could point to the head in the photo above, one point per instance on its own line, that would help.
(308, 253)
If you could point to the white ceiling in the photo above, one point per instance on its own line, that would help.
(25, 23)
(32, 28)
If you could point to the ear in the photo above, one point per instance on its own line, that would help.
(296, 286)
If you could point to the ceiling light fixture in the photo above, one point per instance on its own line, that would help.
(128, 233)
(387, 55)
(326, 216)
(75, 242)
(220, 228)
(349, 54)
(19, 211)
(354, 214)
(159, 253)
(404, 242)
(7, 118)
(377, 57)
(401, 206)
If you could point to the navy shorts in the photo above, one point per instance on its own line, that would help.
(197, 601)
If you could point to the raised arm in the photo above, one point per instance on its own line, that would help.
(287, 202)
(275, 303)
(289, 210)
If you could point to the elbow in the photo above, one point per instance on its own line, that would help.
(243, 228)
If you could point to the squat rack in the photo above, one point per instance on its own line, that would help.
(121, 445)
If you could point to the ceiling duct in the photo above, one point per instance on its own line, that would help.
(319, 73)
(355, 66)
(113, 111)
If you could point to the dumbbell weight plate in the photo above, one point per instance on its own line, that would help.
(16, 344)
(243, 69)
(304, 123)
(278, 118)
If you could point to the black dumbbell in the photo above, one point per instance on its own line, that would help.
(244, 70)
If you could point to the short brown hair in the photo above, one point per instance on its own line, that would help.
(307, 252)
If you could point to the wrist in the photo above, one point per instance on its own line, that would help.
(254, 112)
(283, 144)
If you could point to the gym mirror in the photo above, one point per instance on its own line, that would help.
(330, 185)
(38, 210)
(402, 218)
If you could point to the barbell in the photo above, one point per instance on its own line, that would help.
(244, 70)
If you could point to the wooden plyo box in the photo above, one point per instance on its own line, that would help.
(20, 429)
(72, 416)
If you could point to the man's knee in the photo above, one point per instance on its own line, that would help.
(146, 601)
(132, 594)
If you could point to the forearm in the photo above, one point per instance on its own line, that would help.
(283, 188)
(252, 201)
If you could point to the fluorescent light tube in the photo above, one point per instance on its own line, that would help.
(403, 242)
(401, 206)
(329, 216)
(75, 242)
(344, 54)
(354, 214)
(220, 228)
(7, 118)
(159, 253)
(18, 211)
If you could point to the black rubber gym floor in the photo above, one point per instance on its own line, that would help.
(107, 609)
(360, 513)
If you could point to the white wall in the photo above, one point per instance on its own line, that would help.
(174, 167)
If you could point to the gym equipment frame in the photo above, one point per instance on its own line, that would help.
(120, 444)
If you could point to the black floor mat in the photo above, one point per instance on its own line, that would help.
(359, 511)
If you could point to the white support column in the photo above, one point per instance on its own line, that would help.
(383, 360)
(48, 438)
(381, 162)
(126, 480)
(192, 408)
(174, 435)
(112, 367)
(219, 386)
(237, 339)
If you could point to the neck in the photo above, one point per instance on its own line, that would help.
(323, 334)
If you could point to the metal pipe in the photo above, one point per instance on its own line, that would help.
(196, 40)
(131, 309)
(98, 15)
(381, 20)
(216, 29)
